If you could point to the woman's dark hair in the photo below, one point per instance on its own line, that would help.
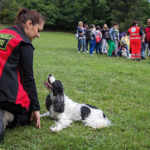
(24, 15)
(91, 26)
(127, 33)
(134, 23)
(98, 28)
(114, 24)
(84, 25)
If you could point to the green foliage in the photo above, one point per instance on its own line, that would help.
(48, 8)
(67, 13)
(145, 4)
(9, 11)
(94, 11)
(58, 13)
(126, 11)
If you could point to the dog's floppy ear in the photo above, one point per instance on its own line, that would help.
(48, 102)
(59, 103)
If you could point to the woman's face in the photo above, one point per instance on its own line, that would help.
(81, 24)
(34, 31)
(105, 26)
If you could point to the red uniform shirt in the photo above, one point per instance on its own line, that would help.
(134, 32)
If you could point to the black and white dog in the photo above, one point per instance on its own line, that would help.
(65, 111)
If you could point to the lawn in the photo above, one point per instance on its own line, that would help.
(118, 86)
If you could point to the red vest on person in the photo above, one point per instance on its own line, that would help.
(134, 32)
(147, 30)
(11, 89)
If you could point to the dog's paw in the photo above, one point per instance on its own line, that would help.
(56, 128)
(53, 129)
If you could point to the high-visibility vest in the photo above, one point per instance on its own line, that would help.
(134, 32)
(11, 89)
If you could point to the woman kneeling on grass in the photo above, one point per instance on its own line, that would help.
(18, 96)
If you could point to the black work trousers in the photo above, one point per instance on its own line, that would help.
(21, 115)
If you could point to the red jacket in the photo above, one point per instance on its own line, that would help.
(17, 83)
(147, 30)
(134, 32)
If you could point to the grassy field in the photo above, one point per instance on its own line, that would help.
(118, 86)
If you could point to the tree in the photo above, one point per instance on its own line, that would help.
(48, 8)
(126, 11)
(94, 11)
(145, 4)
(9, 9)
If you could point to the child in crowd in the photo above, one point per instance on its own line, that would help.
(86, 40)
(124, 43)
(111, 42)
(98, 35)
(92, 41)
(104, 41)
(116, 40)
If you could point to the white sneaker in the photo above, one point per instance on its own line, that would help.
(79, 52)
(128, 57)
(87, 51)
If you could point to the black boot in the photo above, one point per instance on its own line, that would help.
(5, 117)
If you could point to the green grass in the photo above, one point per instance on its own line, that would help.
(118, 86)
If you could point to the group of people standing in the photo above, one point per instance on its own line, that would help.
(92, 36)
(134, 40)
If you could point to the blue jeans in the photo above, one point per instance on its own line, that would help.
(92, 46)
(81, 43)
(143, 47)
(98, 47)
(126, 46)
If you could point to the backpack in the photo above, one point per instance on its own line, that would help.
(107, 35)
(88, 34)
(76, 36)
(98, 38)
(123, 42)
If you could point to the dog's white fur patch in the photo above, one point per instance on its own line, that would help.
(52, 79)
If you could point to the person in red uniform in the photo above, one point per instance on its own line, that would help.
(135, 41)
(146, 37)
(18, 95)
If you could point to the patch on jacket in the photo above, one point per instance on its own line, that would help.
(4, 39)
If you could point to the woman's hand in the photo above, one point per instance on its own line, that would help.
(143, 41)
(36, 116)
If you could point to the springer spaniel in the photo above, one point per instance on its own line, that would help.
(65, 111)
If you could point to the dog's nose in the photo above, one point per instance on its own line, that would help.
(50, 75)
